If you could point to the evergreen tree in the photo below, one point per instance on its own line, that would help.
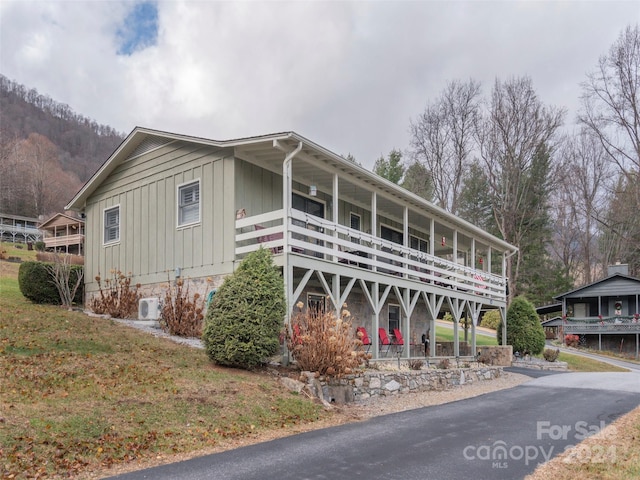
(243, 323)
(524, 330)
(390, 168)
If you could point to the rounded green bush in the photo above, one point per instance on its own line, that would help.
(491, 319)
(36, 283)
(243, 323)
(524, 331)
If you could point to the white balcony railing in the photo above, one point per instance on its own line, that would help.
(63, 240)
(322, 239)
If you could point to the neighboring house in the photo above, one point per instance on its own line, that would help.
(604, 314)
(17, 229)
(166, 205)
(64, 233)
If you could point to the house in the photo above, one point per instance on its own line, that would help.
(166, 205)
(604, 314)
(63, 233)
(18, 229)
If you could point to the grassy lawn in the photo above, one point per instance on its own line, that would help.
(80, 394)
(577, 363)
(444, 334)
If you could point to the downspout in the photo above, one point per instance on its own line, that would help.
(287, 275)
(504, 274)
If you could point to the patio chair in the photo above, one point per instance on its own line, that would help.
(384, 341)
(398, 341)
(364, 338)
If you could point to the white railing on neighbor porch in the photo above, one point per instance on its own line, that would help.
(618, 324)
(319, 238)
(63, 240)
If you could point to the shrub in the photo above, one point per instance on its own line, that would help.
(444, 364)
(244, 320)
(524, 331)
(416, 364)
(571, 340)
(118, 298)
(322, 343)
(551, 355)
(66, 278)
(3, 255)
(181, 314)
(37, 284)
(39, 246)
(491, 319)
(52, 256)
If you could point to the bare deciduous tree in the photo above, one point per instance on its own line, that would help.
(578, 202)
(442, 139)
(61, 274)
(516, 137)
(611, 101)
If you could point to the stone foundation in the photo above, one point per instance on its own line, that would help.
(496, 355)
(372, 383)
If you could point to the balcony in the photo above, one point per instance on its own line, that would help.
(618, 324)
(63, 240)
(320, 239)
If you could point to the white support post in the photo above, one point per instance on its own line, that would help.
(374, 227)
(335, 209)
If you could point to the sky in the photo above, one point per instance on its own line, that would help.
(350, 76)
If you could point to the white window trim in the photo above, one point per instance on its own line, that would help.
(178, 187)
(351, 215)
(104, 215)
(389, 316)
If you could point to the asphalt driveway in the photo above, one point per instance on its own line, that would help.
(500, 435)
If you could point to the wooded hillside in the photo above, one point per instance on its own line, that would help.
(47, 151)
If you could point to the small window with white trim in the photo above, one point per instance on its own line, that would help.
(112, 225)
(189, 203)
(394, 317)
(355, 222)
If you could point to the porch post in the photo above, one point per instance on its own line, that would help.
(335, 209)
(374, 229)
(375, 298)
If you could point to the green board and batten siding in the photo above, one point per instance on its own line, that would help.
(145, 187)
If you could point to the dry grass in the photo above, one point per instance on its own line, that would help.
(612, 454)
(80, 394)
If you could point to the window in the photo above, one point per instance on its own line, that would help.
(355, 222)
(419, 244)
(112, 225)
(189, 203)
(390, 234)
(316, 303)
(394, 317)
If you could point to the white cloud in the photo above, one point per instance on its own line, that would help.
(349, 76)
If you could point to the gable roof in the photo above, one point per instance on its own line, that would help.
(67, 219)
(271, 149)
(624, 284)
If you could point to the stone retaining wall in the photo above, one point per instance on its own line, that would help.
(372, 383)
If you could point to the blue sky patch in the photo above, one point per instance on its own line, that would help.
(140, 28)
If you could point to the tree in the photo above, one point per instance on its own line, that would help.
(390, 168)
(524, 330)
(577, 204)
(611, 101)
(418, 180)
(243, 323)
(475, 200)
(611, 111)
(516, 137)
(442, 139)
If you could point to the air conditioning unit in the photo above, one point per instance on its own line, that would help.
(149, 309)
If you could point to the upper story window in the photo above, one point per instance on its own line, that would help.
(189, 203)
(112, 224)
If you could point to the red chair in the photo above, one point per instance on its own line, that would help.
(398, 341)
(384, 341)
(364, 337)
